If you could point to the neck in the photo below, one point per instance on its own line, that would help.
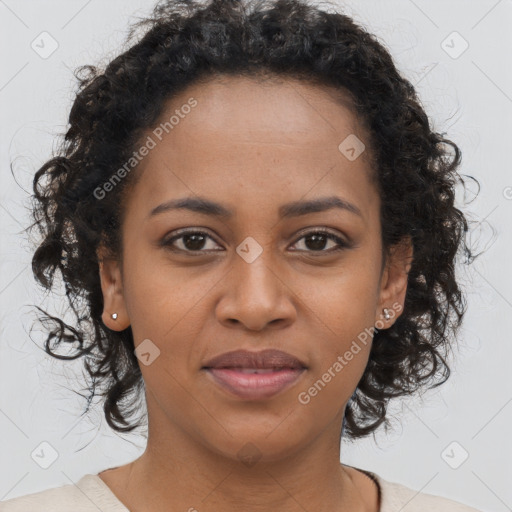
(180, 472)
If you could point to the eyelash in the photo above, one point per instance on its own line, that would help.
(167, 242)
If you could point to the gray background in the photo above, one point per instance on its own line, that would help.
(468, 95)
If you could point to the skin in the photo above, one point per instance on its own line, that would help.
(251, 146)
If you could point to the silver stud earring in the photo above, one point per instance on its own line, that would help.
(114, 316)
(387, 316)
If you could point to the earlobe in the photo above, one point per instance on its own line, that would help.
(114, 314)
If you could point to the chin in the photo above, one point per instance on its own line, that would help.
(252, 444)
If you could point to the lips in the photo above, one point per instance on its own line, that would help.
(254, 375)
(263, 361)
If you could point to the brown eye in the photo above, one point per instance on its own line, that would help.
(316, 241)
(189, 241)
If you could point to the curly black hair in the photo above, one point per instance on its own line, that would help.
(183, 42)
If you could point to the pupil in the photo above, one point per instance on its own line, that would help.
(318, 241)
(197, 242)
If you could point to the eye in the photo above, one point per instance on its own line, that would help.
(194, 241)
(316, 240)
(190, 241)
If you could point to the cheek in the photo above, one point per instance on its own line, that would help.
(344, 303)
(160, 297)
(342, 319)
(325, 394)
(167, 305)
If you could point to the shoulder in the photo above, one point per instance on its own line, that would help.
(86, 495)
(397, 497)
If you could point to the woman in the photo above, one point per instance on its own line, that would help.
(261, 225)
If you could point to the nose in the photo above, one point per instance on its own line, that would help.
(256, 295)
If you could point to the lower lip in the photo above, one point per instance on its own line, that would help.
(254, 386)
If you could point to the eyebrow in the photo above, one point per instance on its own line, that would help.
(293, 209)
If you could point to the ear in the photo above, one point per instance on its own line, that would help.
(112, 288)
(393, 285)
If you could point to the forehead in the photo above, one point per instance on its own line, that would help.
(271, 109)
(245, 136)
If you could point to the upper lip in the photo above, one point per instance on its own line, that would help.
(264, 359)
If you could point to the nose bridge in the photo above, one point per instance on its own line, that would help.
(254, 293)
(255, 268)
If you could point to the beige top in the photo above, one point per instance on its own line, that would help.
(91, 494)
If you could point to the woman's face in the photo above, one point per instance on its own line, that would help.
(258, 279)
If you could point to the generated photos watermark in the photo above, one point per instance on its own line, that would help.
(158, 133)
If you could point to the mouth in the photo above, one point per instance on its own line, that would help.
(253, 370)
(254, 375)
(254, 383)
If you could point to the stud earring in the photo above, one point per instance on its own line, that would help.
(387, 316)
(114, 316)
